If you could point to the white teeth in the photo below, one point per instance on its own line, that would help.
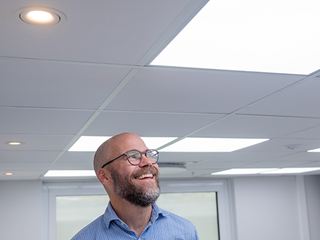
(149, 175)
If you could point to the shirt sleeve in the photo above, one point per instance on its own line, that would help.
(196, 234)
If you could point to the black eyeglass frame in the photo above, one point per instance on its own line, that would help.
(126, 154)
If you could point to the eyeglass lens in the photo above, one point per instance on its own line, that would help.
(134, 156)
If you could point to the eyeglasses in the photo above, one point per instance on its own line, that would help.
(134, 157)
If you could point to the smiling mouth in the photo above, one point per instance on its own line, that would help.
(149, 175)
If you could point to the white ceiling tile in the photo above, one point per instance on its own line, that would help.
(313, 132)
(299, 157)
(56, 85)
(172, 157)
(148, 124)
(185, 174)
(24, 166)
(34, 142)
(96, 31)
(312, 164)
(279, 145)
(77, 157)
(28, 156)
(20, 175)
(72, 165)
(256, 127)
(217, 164)
(40, 121)
(246, 156)
(206, 91)
(299, 100)
(274, 164)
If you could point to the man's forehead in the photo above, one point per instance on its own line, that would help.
(125, 142)
(126, 138)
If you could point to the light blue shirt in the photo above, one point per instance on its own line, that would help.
(163, 225)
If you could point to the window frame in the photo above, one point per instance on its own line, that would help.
(225, 200)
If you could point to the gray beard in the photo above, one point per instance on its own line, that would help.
(135, 194)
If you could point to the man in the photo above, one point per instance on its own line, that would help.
(129, 172)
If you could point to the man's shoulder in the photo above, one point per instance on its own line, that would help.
(89, 232)
(176, 220)
(173, 226)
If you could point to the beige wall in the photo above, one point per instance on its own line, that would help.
(266, 208)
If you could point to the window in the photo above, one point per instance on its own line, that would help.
(75, 212)
(74, 205)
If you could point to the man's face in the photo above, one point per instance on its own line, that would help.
(128, 187)
(136, 184)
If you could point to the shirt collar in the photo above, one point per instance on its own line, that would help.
(110, 214)
(156, 213)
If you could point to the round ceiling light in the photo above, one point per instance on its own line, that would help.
(8, 174)
(40, 16)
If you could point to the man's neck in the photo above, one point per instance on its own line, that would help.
(134, 216)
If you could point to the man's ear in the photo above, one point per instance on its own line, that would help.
(104, 176)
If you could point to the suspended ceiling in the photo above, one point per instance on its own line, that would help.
(90, 75)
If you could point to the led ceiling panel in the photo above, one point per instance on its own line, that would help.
(315, 150)
(211, 144)
(91, 143)
(88, 143)
(279, 36)
(237, 171)
(70, 173)
(292, 170)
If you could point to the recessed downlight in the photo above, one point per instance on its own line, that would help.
(40, 16)
(8, 174)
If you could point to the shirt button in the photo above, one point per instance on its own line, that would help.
(122, 223)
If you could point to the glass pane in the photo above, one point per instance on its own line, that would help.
(199, 208)
(75, 212)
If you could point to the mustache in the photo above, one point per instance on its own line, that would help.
(146, 170)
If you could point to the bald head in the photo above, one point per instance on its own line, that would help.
(114, 147)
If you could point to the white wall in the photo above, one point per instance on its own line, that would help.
(20, 210)
(312, 188)
(267, 208)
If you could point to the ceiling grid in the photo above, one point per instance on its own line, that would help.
(91, 77)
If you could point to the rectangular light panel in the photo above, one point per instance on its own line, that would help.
(237, 171)
(211, 144)
(278, 36)
(70, 173)
(91, 143)
(291, 170)
(315, 150)
(88, 143)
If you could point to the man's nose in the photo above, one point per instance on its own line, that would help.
(145, 161)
